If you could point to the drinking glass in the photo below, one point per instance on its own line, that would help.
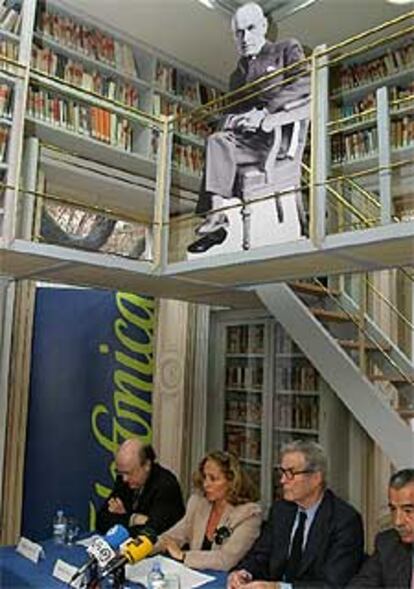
(72, 530)
(172, 582)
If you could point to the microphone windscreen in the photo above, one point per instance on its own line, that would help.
(137, 549)
(116, 536)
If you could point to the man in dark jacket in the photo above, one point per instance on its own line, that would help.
(241, 139)
(391, 565)
(312, 538)
(145, 494)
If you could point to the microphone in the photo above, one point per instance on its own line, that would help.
(132, 552)
(102, 550)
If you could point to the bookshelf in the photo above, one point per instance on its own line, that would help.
(86, 95)
(15, 21)
(352, 128)
(174, 96)
(296, 404)
(264, 393)
(243, 394)
(75, 63)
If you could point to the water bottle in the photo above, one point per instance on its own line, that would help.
(59, 527)
(156, 578)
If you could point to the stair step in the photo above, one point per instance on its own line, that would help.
(313, 289)
(397, 380)
(406, 413)
(334, 316)
(349, 344)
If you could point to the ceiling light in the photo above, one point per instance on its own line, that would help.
(400, 1)
(208, 3)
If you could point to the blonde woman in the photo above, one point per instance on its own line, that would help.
(222, 518)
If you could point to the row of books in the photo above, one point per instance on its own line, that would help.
(244, 442)
(349, 147)
(4, 136)
(297, 377)
(244, 376)
(188, 158)
(253, 472)
(182, 85)
(369, 101)
(10, 18)
(297, 411)
(244, 339)
(163, 106)
(90, 80)
(241, 408)
(89, 121)
(284, 344)
(185, 158)
(90, 41)
(9, 50)
(391, 62)
(5, 100)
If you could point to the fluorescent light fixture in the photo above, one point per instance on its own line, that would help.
(208, 3)
(401, 2)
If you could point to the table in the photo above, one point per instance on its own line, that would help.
(17, 572)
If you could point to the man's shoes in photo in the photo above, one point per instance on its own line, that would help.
(212, 223)
(207, 241)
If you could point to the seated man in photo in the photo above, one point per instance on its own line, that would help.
(391, 565)
(312, 537)
(241, 139)
(145, 493)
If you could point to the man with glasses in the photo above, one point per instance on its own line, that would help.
(312, 537)
(145, 493)
(391, 565)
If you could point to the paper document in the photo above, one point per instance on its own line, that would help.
(86, 542)
(189, 578)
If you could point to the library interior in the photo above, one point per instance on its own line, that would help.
(140, 297)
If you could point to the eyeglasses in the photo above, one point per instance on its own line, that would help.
(290, 474)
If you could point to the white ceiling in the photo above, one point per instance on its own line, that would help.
(201, 37)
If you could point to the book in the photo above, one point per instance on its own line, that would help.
(89, 40)
(88, 78)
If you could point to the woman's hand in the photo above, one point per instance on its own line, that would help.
(169, 545)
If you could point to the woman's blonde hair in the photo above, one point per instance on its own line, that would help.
(242, 489)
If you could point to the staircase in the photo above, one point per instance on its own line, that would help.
(373, 378)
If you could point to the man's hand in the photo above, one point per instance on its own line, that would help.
(138, 519)
(251, 121)
(171, 546)
(115, 505)
(238, 579)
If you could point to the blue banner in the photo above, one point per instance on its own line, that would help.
(91, 388)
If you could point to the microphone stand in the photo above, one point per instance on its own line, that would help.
(119, 578)
(93, 579)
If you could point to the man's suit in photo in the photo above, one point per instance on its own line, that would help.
(227, 149)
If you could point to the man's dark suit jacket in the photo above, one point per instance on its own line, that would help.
(271, 58)
(333, 551)
(389, 566)
(160, 499)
